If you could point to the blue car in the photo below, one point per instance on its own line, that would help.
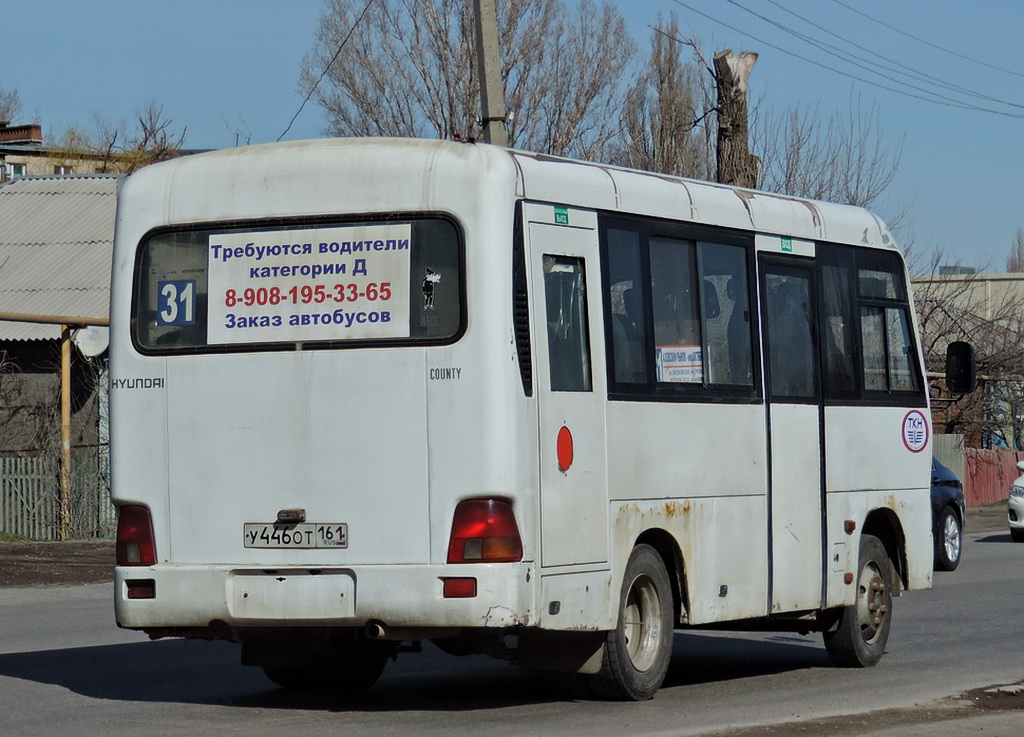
(948, 510)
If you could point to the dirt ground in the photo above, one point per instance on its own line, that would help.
(34, 563)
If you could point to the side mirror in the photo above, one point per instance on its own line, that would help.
(961, 373)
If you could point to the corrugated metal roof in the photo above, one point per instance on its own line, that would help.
(56, 243)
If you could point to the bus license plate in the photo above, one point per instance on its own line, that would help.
(296, 535)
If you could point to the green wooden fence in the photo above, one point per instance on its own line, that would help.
(30, 498)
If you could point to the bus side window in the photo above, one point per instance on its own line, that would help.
(725, 298)
(678, 352)
(901, 365)
(838, 322)
(886, 337)
(872, 330)
(888, 363)
(626, 302)
(568, 331)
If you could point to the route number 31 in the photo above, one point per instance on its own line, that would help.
(176, 302)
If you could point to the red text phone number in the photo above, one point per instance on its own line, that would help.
(308, 294)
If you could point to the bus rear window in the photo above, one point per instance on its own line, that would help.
(240, 288)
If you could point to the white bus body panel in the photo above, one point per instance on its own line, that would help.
(868, 460)
(388, 440)
(704, 481)
(328, 457)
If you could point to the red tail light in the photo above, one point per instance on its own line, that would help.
(135, 545)
(484, 531)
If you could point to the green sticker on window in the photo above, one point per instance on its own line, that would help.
(787, 245)
(561, 215)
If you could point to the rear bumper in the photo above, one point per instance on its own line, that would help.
(190, 596)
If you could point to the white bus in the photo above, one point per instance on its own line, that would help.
(368, 393)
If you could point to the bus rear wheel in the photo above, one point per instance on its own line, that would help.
(638, 650)
(858, 639)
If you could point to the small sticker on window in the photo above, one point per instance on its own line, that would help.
(681, 364)
(430, 280)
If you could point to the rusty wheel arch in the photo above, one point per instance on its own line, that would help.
(671, 555)
(884, 524)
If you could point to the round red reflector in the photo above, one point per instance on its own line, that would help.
(564, 446)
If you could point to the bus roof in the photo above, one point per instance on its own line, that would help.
(249, 180)
(605, 187)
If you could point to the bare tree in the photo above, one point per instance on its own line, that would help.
(10, 104)
(987, 311)
(839, 159)
(665, 120)
(1015, 262)
(153, 140)
(115, 148)
(18, 410)
(412, 72)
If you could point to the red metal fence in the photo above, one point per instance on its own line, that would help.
(988, 475)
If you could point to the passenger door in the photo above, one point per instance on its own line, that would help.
(568, 346)
(796, 500)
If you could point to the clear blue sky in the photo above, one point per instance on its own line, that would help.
(225, 69)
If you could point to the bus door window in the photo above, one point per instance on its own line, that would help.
(791, 335)
(568, 331)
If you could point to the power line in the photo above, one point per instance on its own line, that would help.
(928, 43)
(327, 68)
(867, 65)
(925, 96)
(896, 66)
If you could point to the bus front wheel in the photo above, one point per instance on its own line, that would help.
(858, 639)
(638, 650)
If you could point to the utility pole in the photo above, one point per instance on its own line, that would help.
(492, 94)
(736, 165)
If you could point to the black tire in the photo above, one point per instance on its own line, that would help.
(354, 668)
(1017, 534)
(858, 638)
(638, 650)
(950, 541)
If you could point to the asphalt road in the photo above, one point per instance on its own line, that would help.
(65, 669)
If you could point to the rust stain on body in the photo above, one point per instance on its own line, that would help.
(681, 509)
